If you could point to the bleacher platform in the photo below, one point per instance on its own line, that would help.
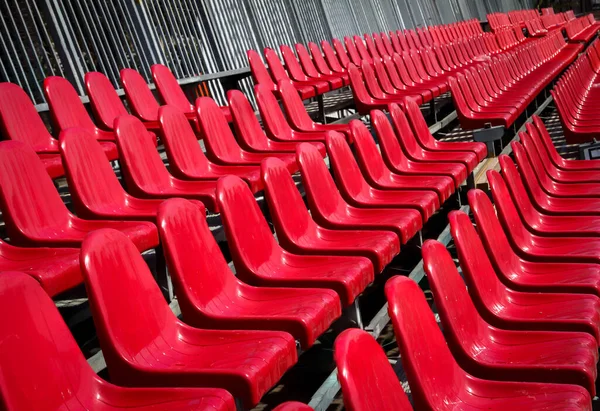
(386, 221)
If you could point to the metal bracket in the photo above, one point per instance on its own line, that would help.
(488, 135)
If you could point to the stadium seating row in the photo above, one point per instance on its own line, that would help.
(582, 29)
(239, 333)
(532, 285)
(498, 92)
(575, 96)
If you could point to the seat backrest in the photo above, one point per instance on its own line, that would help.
(272, 116)
(319, 59)
(277, 70)
(41, 362)
(28, 198)
(129, 310)
(105, 101)
(404, 133)
(92, 181)
(371, 80)
(307, 62)
(353, 53)
(20, 121)
(534, 156)
(491, 232)
(169, 89)
(463, 326)
(181, 144)
(66, 108)
(340, 52)
(350, 179)
(199, 270)
(323, 196)
(508, 214)
(367, 379)
(290, 216)
(141, 163)
(528, 175)
(218, 137)
(247, 231)
(291, 62)
(368, 155)
(260, 74)
(245, 123)
(390, 147)
(544, 138)
(293, 105)
(430, 367)
(141, 100)
(359, 88)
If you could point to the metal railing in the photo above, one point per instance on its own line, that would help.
(40, 38)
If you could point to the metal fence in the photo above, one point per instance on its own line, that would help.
(40, 38)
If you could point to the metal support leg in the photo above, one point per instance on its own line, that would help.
(355, 314)
(433, 111)
(471, 181)
(321, 105)
(162, 275)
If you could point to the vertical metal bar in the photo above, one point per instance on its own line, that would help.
(18, 73)
(70, 60)
(47, 38)
(31, 43)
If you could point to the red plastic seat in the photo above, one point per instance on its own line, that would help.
(20, 121)
(338, 62)
(367, 379)
(437, 382)
(44, 369)
(67, 110)
(139, 97)
(520, 274)
(259, 260)
(505, 308)
(378, 175)
(249, 131)
(544, 248)
(56, 269)
(426, 140)
(106, 103)
(187, 161)
(293, 406)
(221, 145)
(274, 121)
(297, 114)
(551, 201)
(359, 193)
(397, 160)
(417, 153)
(316, 65)
(363, 98)
(568, 185)
(306, 89)
(537, 222)
(560, 176)
(172, 94)
(329, 209)
(35, 214)
(144, 172)
(543, 141)
(144, 344)
(301, 72)
(95, 190)
(210, 295)
(260, 74)
(486, 351)
(298, 233)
